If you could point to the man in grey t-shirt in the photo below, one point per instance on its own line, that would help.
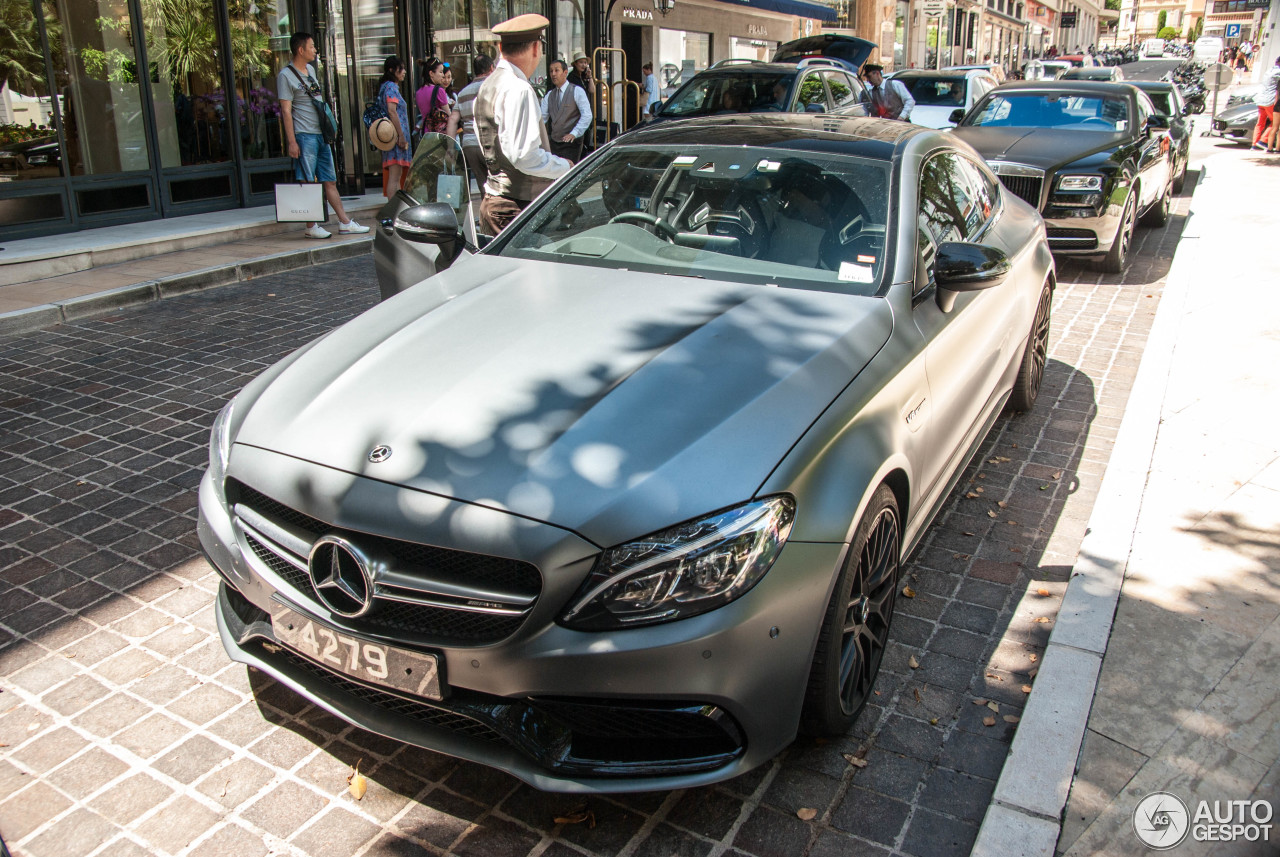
(300, 120)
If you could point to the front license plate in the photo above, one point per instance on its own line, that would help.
(412, 672)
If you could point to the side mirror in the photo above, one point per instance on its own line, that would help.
(433, 223)
(815, 107)
(1186, 110)
(655, 107)
(1157, 123)
(961, 267)
(956, 116)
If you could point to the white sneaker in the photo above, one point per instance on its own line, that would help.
(317, 231)
(352, 227)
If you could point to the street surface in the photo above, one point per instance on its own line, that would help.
(124, 728)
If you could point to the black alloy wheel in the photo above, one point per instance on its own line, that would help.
(1159, 213)
(855, 630)
(1118, 257)
(1027, 386)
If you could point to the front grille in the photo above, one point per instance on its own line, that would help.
(1073, 239)
(423, 623)
(1026, 188)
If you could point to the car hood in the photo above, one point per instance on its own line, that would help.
(1239, 112)
(1037, 147)
(610, 403)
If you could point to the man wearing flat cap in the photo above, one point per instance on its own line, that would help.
(509, 126)
(889, 98)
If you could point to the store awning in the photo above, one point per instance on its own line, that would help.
(799, 8)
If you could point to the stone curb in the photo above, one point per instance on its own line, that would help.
(1025, 815)
(99, 303)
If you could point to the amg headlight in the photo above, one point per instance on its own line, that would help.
(220, 444)
(686, 570)
(1080, 183)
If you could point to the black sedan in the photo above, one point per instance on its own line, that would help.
(1092, 157)
(1170, 104)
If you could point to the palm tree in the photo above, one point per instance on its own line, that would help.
(21, 60)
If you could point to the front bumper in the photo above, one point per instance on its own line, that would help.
(1239, 130)
(668, 706)
(1090, 235)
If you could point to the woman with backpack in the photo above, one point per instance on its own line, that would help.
(395, 162)
(433, 97)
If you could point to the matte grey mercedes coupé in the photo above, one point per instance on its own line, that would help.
(620, 502)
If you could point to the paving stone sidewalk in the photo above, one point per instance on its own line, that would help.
(128, 731)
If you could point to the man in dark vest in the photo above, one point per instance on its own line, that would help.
(509, 126)
(567, 112)
(889, 98)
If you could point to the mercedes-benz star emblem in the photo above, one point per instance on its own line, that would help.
(380, 453)
(340, 575)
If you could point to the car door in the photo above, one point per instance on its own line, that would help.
(1153, 152)
(969, 348)
(846, 94)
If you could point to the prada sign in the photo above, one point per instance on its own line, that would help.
(637, 14)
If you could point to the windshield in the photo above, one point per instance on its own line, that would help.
(945, 91)
(1054, 110)
(753, 215)
(709, 94)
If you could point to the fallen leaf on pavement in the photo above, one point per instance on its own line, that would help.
(1040, 620)
(959, 556)
(806, 814)
(994, 677)
(979, 702)
(918, 699)
(992, 514)
(994, 706)
(1002, 503)
(1011, 718)
(1057, 474)
(856, 761)
(971, 495)
(1044, 487)
(1015, 550)
(988, 721)
(968, 534)
(1026, 688)
(357, 784)
(1033, 658)
(909, 592)
(578, 815)
(1043, 593)
(914, 664)
(933, 721)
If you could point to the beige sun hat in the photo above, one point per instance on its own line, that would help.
(382, 134)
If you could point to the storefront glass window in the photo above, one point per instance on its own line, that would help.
(751, 49)
(28, 144)
(96, 70)
(259, 49)
(681, 55)
(571, 33)
(900, 37)
(193, 120)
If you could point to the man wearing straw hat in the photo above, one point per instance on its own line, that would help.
(510, 129)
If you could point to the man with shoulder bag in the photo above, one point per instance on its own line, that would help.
(309, 129)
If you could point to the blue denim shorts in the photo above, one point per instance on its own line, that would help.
(315, 159)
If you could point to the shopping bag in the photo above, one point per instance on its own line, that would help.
(300, 202)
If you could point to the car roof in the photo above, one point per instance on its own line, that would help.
(1096, 87)
(869, 138)
(752, 68)
(957, 73)
(1152, 85)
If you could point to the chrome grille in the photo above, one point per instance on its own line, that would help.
(1026, 188)
(426, 593)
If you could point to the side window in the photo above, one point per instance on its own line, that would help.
(1145, 109)
(811, 92)
(986, 194)
(842, 91)
(948, 198)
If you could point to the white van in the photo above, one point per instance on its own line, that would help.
(1208, 49)
(1153, 48)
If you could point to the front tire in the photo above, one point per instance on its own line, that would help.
(1027, 386)
(855, 629)
(1118, 256)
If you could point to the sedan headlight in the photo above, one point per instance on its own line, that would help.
(686, 570)
(1080, 183)
(220, 444)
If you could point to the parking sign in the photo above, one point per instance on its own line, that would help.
(1233, 31)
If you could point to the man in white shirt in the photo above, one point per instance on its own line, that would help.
(652, 91)
(889, 98)
(510, 129)
(566, 112)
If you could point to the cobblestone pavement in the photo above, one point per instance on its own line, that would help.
(124, 728)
